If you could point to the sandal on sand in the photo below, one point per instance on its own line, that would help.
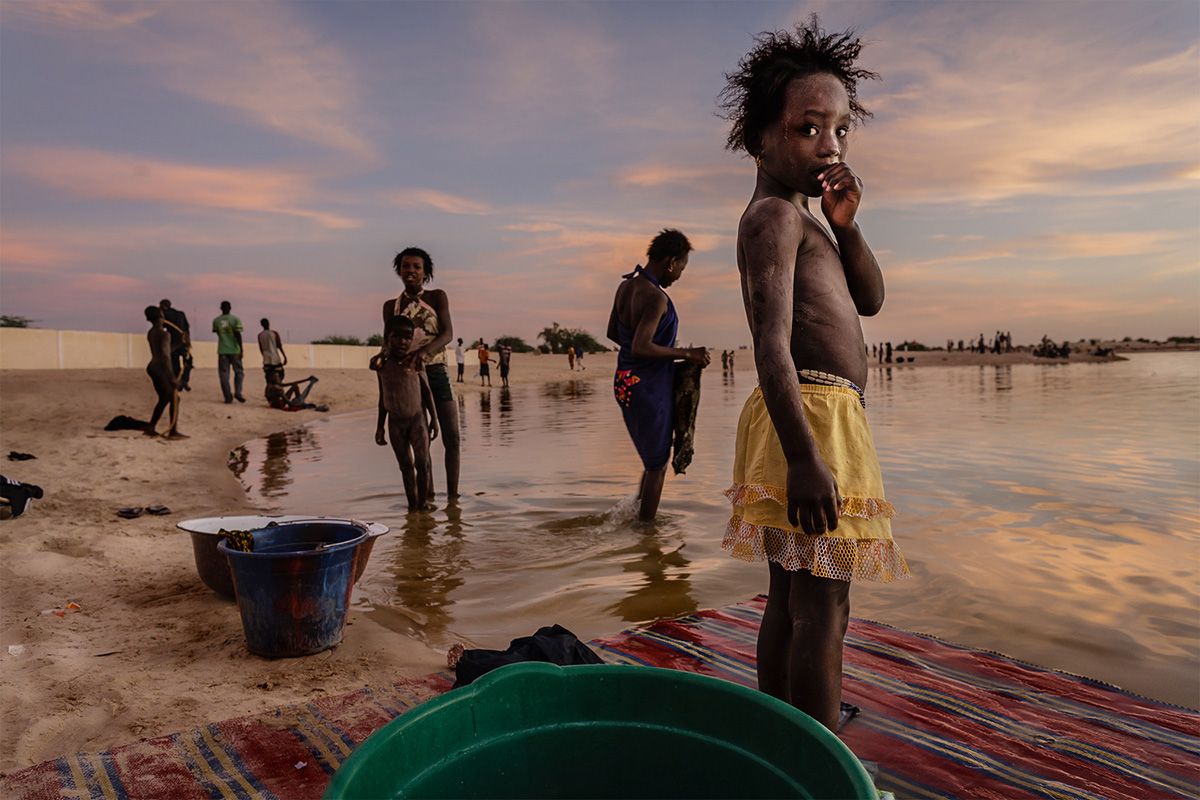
(130, 512)
(157, 511)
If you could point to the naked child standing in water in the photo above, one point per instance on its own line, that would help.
(406, 406)
(807, 493)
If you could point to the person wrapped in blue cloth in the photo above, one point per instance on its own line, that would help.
(644, 324)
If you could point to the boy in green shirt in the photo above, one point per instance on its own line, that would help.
(228, 329)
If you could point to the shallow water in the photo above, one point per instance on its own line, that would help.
(1047, 512)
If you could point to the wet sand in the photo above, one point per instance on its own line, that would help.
(152, 650)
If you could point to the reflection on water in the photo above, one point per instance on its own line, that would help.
(1049, 512)
(425, 564)
(273, 456)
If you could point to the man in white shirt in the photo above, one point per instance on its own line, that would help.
(461, 357)
(271, 347)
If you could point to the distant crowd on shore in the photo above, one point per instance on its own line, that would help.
(171, 364)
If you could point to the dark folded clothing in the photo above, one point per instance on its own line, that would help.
(687, 400)
(554, 644)
(124, 423)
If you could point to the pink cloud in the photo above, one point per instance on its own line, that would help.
(108, 283)
(260, 60)
(440, 201)
(95, 173)
(22, 253)
(247, 289)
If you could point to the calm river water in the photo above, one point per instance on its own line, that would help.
(1051, 513)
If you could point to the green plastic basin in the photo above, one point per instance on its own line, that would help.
(603, 731)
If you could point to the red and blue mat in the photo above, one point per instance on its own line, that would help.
(941, 721)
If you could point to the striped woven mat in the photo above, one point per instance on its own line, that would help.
(941, 721)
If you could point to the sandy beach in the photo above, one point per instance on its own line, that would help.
(151, 650)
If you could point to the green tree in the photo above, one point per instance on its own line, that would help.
(515, 342)
(375, 340)
(586, 342)
(555, 337)
(15, 321)
(335, 339)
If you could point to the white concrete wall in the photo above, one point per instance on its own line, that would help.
(39, 348)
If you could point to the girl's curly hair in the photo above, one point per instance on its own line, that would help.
(753, 95)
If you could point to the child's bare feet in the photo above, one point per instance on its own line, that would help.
(149, 433)
(177, 435)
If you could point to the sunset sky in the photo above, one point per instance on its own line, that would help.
(1030, 166)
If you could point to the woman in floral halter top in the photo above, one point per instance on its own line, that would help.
(429, 310)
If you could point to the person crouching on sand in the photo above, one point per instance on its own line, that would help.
(162, 375)
(406, 404)
(643, 323)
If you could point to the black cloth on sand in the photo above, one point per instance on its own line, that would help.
(124, 423)
(553, 644)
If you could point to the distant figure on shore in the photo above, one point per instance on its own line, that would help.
(731, 354)
(1048, 349)
(429, 310)
(228, 329)
(888, 355)
(725, 361)
(460, 358)
(274, 359)
(571, 356)
(960, 345)
(406, 404)
(643, 323)
(485, 361)
(181, 343)
(159, 369)
(579, 351)
(807, 494)
(504, 356)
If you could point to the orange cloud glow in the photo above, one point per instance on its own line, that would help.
(93, 173)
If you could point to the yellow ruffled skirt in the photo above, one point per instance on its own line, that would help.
(862, 547)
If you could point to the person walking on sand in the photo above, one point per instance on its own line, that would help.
(273, 357)
(429, 309)
(228, 329)
(176, 323)
(166, 385)
(571, 356)
(807, 496)
(643, 323)
(460, 358)
(579, 351)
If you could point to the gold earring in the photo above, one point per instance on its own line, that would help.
(758, 161)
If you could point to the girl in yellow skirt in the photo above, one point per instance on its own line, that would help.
(807, 495)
